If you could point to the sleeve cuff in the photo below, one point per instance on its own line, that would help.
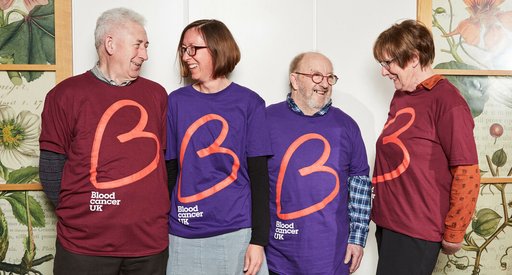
(358, 236)
(453, 236)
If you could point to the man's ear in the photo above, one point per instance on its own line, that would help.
(293, 81)
(109, 44)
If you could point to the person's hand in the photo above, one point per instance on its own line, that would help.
(354, 253)
(253, 259)
(449, 248)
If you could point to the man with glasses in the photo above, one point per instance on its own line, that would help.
(319, 186)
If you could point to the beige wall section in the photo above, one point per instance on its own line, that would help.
(269, 34)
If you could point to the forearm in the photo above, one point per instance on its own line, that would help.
(258, 176)
(51, 166)
(359, 209)
(463, 197)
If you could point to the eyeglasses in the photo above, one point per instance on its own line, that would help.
(318, 77)
(191, 50)
(385, 64)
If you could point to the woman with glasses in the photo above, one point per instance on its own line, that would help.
(217, 148)
(426, 176)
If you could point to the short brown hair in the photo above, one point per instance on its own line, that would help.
(221, 45)
(404, 40)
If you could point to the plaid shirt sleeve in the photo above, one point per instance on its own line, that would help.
(359, 209)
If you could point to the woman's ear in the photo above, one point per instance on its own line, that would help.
(415, 61)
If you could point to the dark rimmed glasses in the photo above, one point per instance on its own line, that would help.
(386, 63)
(191, 50)
(317, 78)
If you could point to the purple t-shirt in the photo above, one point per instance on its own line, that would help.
(212, 135)
(113, 199)
(313, 158)
(426, 133)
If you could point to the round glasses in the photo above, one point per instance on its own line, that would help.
(317, 78)
(191, 50)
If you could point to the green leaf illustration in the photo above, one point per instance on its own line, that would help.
(499, 158)
(472, 88)
(17, 201)
(486, 222)
(24, 175)
(31, 40)
(4, 238)
(469, 244)
(4, 172)
(15, 77)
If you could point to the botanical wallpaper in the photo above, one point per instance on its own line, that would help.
(472, 34)
(476, 35)
(27, 220)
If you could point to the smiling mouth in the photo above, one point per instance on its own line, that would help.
(137, 64)
(320, 92)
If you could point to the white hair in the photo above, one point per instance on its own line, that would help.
(113, 18)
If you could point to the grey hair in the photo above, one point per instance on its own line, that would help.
(113, 18)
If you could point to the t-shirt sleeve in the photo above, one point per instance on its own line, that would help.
(455, 130)
(258, 137)
(359, 161)
(56, 133)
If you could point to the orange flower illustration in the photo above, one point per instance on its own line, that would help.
(487, 25)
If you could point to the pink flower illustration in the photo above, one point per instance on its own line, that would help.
(29, 4)
(5, 4)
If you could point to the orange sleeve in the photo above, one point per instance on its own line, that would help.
(463, 196)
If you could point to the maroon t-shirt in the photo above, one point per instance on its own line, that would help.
(114, 199)
(427, 131)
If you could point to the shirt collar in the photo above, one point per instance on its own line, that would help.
(293, 106)
(97, 72)
(430, 82)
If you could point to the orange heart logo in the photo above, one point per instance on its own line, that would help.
(318, 166)
(136, 132)
(214, 148)
(393, 138)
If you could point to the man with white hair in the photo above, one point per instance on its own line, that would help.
(102, 164)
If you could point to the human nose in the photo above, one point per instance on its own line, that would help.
(324, 83)
(384, 71)
(185, 56)
(143, 53)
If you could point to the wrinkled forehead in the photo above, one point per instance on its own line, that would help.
(130, 28)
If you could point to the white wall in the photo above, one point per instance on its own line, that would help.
(270, 33)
